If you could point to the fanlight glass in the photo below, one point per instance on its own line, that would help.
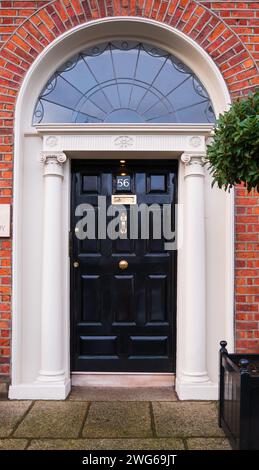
(124, 82)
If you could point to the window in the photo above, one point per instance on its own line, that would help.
(124, 82)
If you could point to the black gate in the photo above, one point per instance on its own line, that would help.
(239, 398)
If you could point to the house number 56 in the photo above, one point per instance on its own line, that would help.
(123, 183)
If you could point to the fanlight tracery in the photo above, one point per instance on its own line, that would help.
(124, 82)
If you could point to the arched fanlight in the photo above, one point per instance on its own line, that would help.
(124, 82)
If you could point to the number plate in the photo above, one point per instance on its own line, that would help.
(123, 183)
(5, 215)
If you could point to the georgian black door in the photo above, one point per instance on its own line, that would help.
(122, 319)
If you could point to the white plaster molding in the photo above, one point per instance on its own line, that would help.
(52, 141)
(40, 391)
(53, 163)
(124, 141)
(195, 141)
(54, 129)
(194, 163)
(109, 142)
(194, 158)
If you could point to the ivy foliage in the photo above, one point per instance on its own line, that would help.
(233, 155)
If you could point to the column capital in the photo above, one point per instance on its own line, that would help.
(194, 163)
(53, 163)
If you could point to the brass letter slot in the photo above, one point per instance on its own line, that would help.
(122, 199)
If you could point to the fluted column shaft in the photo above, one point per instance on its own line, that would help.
(194, 364)
(52, 357)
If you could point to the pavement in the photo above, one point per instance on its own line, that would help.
(111, 418)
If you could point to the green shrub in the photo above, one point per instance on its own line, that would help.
(233, 155)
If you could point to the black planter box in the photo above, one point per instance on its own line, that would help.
(239, 398)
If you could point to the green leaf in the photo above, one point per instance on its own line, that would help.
(233, 155)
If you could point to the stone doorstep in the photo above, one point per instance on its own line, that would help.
(122, 394)
(91, 393)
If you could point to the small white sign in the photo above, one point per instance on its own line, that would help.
(5, 219)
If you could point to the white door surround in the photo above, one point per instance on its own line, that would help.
(40, 348)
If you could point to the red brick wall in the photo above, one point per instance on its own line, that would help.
(243, 18)
(247, 271)
(228, 31)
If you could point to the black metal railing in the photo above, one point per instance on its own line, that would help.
(239, 398)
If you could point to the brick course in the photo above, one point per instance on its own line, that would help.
(247, 271)
(227, 30)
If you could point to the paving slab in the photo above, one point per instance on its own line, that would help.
(13, 444)
(11, 412)
(208, 444)
(62, 419)
(123, 394)
(107, 444)
(118, 419)
(186, 419)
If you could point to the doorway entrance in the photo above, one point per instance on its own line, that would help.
(123, 278)
(44, 145)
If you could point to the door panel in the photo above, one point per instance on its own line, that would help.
(91, 298)
(123, 299)
(157, 301)
(123, 320)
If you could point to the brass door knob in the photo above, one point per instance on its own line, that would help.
(76, 264)
(123, 264)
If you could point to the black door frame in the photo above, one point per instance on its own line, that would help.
(169, 163)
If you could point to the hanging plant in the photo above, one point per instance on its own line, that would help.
(233, 155)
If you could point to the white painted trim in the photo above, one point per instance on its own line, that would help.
(36, 391)
(50, 58)
(143, 142)
(191, 391)
(100, 129)
(128, 380)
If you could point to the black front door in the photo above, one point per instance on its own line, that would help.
(122, 319)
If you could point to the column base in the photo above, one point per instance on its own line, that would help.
(50, 376)
(196, 391)
(40, 391)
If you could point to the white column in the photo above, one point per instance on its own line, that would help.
(52, 374)
(193, 382)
